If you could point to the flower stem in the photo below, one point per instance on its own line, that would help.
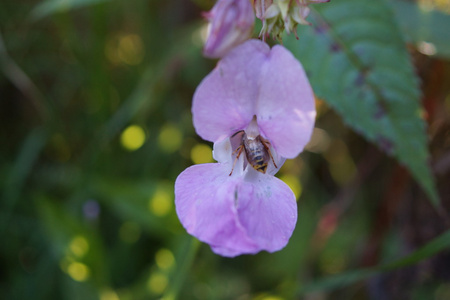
(185, 260)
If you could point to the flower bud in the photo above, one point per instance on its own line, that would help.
(282, 15)
(261, 6)
(231, 23)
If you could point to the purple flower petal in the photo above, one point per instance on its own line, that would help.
(204, 200)
(225, 100)
(286, 107)
(235, 214)
(267, 209)
(256, 80)
(231, 23)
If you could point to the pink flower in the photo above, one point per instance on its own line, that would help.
(231, 23)
(237, 205)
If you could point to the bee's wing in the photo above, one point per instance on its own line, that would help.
(268, 146)
(236, 140)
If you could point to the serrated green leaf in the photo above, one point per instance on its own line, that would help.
(426, 28)
(356, 60)
(49, 7)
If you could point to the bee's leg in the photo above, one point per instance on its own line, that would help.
(238, 151)
(266, 146)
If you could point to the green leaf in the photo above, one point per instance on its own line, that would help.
(15, 183)
(130, 200)
(70, 239)
(49, 7)
(435, 246)
(427, 28)
(185, 257)
(356, 60)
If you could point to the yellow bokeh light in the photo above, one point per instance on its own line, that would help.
(108, 294)
(271, 298)
(130, 232)
(164, 259)
(170, 138)
(157, 283)
(132, 138)
(294, 183)
(341, 166)
(125, 49)
(161, 202)
(266, 296)
(428, 5)
(131, 49)
(79, 246)
(201, 154)
(78, 271)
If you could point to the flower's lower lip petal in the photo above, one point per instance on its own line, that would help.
(233, 215)
(286, 106)
(205, 204)
(224, 102)
(230, 252)
(267, 209)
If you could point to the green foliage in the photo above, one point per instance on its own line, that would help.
(423, 26)
(356, 60)
(50, 7)
(432, 248)
(72, 241)
(84, 216)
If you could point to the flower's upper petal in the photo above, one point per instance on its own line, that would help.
(286, 108)
(255, 80)
(225, 100)
(232, 214)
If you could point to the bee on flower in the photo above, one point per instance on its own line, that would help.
(257, 107)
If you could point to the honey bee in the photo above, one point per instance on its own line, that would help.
(256, 150)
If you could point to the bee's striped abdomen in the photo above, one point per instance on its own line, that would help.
(259, 164)
(256, 151)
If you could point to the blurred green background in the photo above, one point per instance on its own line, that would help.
(95, 101)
